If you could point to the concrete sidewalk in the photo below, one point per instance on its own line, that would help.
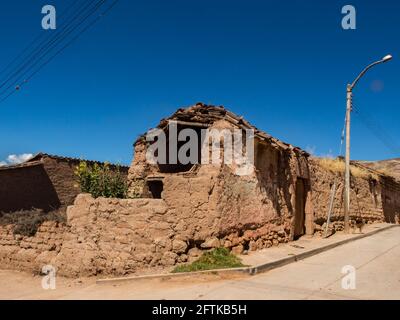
(306, 247)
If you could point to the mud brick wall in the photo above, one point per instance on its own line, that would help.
(210, 209)
(26, 188)
(375, 199)
(390, 197)
(236, 203)
(30, 253)
(63, 179)
(114, 236)
(47, 184)
(121, 236)
(102, 236)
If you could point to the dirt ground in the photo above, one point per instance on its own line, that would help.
(21, 285)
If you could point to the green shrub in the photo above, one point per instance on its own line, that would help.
(219, 258)
(101, 181)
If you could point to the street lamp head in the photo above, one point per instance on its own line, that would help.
(387, 58)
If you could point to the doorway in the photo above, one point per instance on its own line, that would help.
(300, 206)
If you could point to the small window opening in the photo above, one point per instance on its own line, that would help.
(155, 188)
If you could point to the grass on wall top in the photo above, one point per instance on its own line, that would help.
(338, 166)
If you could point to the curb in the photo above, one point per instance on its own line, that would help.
(169, 276)
(247, 270)
(281, 262)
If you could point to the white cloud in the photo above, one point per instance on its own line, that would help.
(16, 159)
(311, 150)
(328, 155)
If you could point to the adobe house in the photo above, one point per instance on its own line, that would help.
(216, 199)
(44, 182)
(178, 209)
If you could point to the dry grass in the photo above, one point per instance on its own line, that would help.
(338, 166)
(27, 222)
(389, 167)
(385, 172)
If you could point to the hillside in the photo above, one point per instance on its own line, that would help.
(389, 167)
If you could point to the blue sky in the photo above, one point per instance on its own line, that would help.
(283, 65)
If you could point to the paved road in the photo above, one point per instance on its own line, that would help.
(376, 260)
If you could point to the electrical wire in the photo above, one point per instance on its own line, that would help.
(36, 39)
(377, 130)
(101, 15)
(52, 43)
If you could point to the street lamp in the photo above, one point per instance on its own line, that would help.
(350, 88)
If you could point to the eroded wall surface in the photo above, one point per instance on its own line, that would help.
(199, 212)
(31, 253)
(207, 207)
(373, 198)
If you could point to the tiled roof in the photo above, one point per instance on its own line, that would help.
(37, 160)
(207, 114)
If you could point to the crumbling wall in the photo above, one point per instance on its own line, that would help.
(31, 253)
(210, 208)
(102, 236)
(138, 171)
(114, 236)
(373, 198)
(201, 208)
(241, 202)
(390, 198)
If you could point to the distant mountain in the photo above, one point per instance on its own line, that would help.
(390, 167)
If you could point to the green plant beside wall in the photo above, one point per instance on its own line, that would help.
(100, 181)
(218, 258)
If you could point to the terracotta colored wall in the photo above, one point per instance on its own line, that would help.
(373, 200)
(27, 188)
(120, 236)
(30, 253)
(62, 176)
(241, 202)
(49, 185)
(390, 197)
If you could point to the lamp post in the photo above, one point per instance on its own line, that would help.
(350, 88)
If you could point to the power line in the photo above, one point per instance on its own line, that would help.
(101, 15)
(45, 45)
(55, 44)
(36, 39)
(378, 130)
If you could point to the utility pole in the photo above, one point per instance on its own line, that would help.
(349, 107)
(347, 161)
